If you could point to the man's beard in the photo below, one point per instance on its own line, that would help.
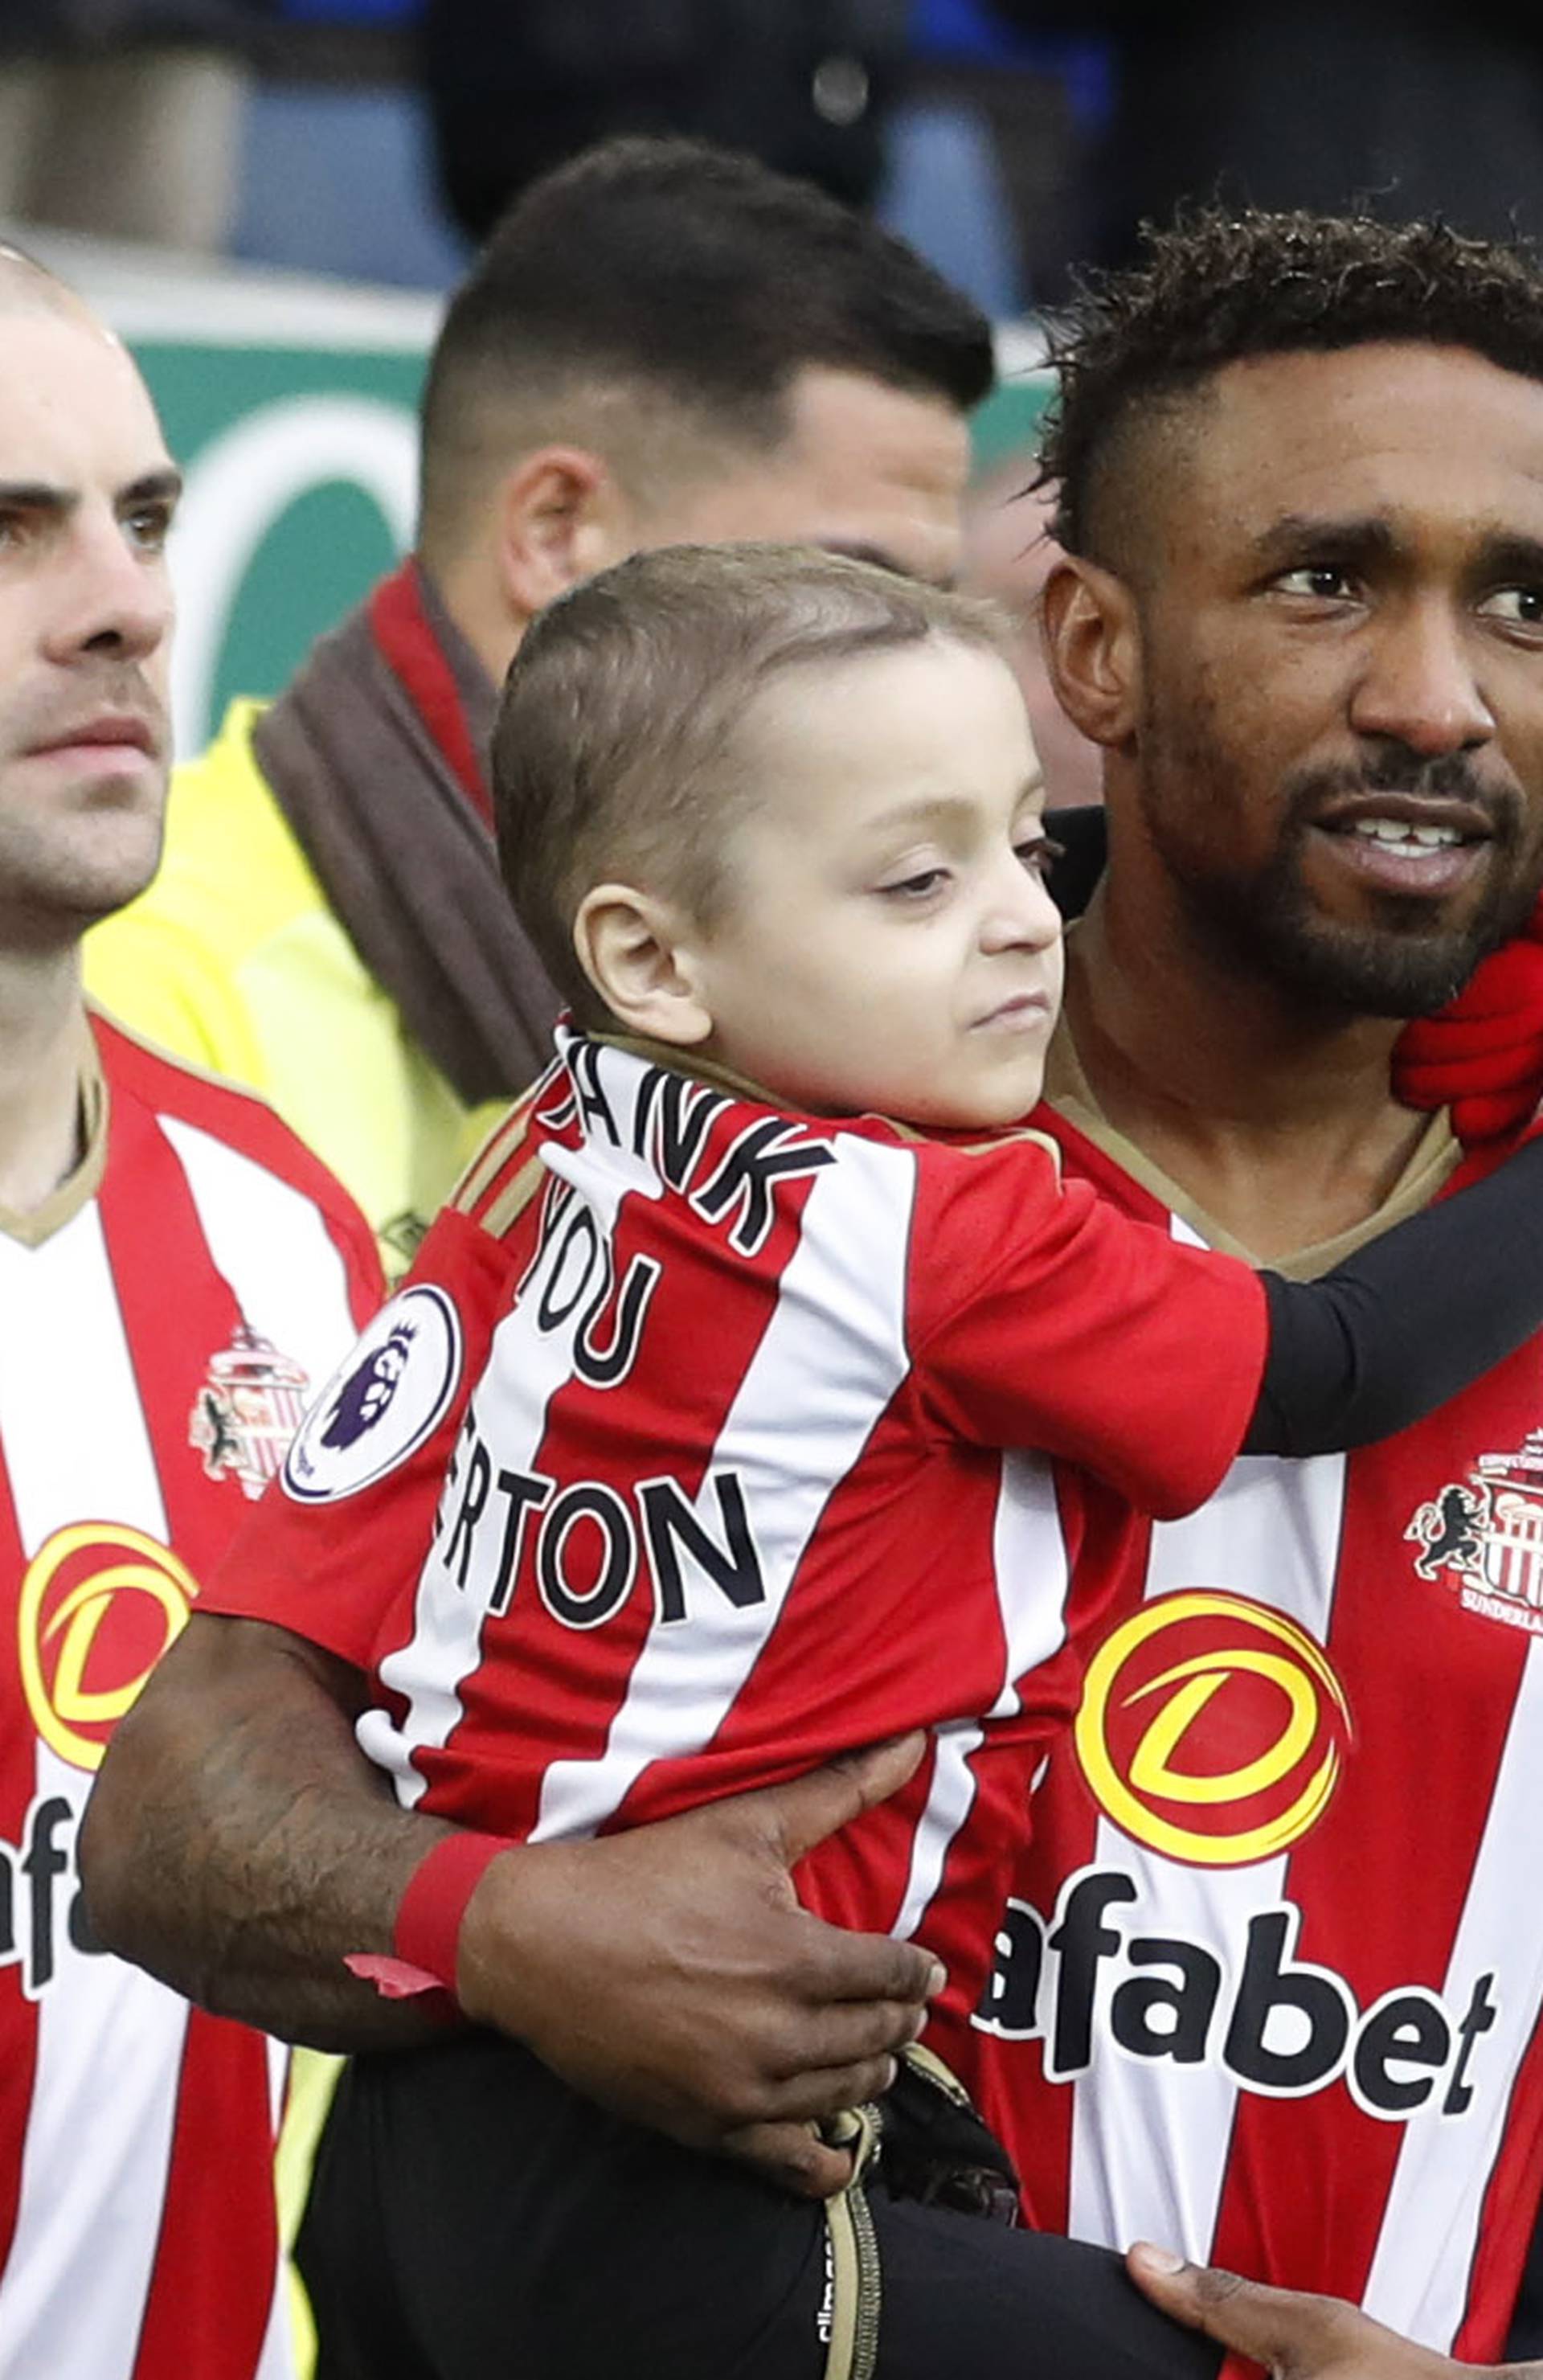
(1399, 960)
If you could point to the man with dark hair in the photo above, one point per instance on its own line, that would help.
(824, 1512)
(1247, 2000)
(1299, 464)
(1218, 288)
(662, 341)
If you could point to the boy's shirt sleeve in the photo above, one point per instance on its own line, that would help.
(339, 1538)
(1043, 1316)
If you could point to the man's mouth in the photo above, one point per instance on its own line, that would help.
(1399, 836)
(119, 752)
(106, 734)
(1401, 843)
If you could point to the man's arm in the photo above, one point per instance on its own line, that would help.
(239, 1846)
(1294, 2335)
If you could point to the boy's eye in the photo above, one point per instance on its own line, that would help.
(1039, 853)
(916, 887)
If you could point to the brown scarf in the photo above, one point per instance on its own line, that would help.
(374, 753)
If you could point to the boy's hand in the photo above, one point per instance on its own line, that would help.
(671, 1975)
(1294, 2335)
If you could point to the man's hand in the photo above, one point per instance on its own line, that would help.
(670, 1973)
(241, 1846)
(1296, 2337)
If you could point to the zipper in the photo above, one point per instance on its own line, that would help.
(930, 2067)
(856, 2282)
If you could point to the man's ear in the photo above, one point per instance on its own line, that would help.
(1092, 650)
(561, 518)
(638, 953)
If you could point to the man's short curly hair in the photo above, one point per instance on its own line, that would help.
(1218, 286)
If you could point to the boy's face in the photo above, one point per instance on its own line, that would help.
(885, 939)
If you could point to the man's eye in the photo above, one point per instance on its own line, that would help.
(916, 887)
(1521, 607)
(1327, 582)
(148, 526)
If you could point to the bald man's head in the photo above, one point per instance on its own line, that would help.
(26, 284)
(28, 287)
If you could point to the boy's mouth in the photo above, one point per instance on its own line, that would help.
(1026, 1009)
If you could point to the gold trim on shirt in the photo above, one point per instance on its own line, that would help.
(1434, 1157)
(84, 1180)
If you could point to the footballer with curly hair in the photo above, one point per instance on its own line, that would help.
(1268, 1984)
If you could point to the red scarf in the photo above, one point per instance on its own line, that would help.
(371, 752)
(416, 658)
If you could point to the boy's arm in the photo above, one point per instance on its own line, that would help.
(1407, 1321)
(1049, 1318)
(239, 1846)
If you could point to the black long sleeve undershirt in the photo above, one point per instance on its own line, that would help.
(1407, 1321)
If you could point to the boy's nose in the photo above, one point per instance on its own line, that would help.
(1020, 913)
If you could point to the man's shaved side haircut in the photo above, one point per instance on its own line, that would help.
(1218, 286)
(654, 276)
(618, 753)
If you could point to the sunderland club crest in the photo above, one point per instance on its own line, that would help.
(1485, 1533)
(251, 1403)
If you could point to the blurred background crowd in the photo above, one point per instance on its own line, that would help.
(1008, 138)
(376, 142)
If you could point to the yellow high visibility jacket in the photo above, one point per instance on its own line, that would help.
(233, 959)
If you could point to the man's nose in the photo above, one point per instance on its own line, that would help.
(110, 596)
(1418, 687)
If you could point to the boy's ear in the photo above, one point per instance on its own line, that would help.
(636, 951)
(561, 517)
(1093, 649)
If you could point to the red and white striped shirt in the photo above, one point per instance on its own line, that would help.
(1268, 1985)
(161, 1320)
(676, 1467)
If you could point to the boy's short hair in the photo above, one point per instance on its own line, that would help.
(614, 751)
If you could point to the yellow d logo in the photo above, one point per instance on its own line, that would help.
(1211, 1729)
(100, 1604)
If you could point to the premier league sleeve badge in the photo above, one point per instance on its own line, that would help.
(384, 1400)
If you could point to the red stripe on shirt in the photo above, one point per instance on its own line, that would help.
(217, 2260)
(19, 2016)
